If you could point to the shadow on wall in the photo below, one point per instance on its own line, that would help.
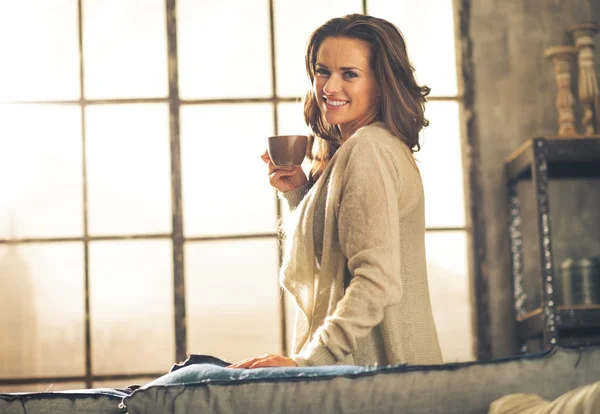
(18, 320)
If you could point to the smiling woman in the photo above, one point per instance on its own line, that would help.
(355, 258)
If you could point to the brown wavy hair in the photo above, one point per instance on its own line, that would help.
(402, 99)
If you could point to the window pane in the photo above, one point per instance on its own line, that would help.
(40, 165)
(42, 308)
(440, 162)
(239, 63)
(225, 183)
(428, 29)
(131, 306)
(291, 119)
(294, 22)
(232, 296)
(125, 48)
(39, 38)
(129, 170)
(448, 275)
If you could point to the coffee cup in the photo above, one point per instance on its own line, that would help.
(287, 150)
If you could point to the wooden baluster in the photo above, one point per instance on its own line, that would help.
(561, 57)
(588, 83)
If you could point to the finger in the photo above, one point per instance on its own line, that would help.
(278, 176)
(282, 173)
(264, 363)
(240, 365)
(273, 167)
(246, 362)
(243, 363)
(252, 361)
(265, 157)
(286, 171)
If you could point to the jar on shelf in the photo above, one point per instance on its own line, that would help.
(579, 282)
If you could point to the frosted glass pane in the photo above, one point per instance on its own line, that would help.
(40, 40)
(129, 169)
(428, 29)
(125, 48)
(291, 119)
(225, 183)
(440, 161)
(232, 297)
(294, 23)
(224, 48)
(41, 189)
(42, 308)
(131, 303)
(48, 387)
(450, 298)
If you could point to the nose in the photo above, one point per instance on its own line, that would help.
(332, 85)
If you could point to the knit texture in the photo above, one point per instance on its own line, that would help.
(373, 223)
(369, 348)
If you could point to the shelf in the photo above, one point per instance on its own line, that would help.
(568, 317)
(576, 157)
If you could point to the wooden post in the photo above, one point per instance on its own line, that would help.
(588, 82)
(561, 57)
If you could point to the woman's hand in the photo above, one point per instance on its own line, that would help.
(267, 360)
(284, 178)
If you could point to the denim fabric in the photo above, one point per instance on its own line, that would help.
(199, 368)
(206, 368)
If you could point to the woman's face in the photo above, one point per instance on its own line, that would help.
(345, 84)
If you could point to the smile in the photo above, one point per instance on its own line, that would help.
(333, 103)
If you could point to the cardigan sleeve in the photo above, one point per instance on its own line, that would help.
(294, 197)
(368, 222)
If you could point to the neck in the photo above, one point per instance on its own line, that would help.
(347, 130)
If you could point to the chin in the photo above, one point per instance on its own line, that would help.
(333, 119)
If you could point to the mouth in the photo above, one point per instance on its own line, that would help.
(334, 103)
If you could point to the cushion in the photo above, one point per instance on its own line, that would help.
(96, 401)
(582, 400)
(206, 386)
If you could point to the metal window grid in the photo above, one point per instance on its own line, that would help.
(177, 237)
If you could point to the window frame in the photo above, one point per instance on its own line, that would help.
(177, 235)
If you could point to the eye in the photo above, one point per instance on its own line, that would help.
(322, 71)
(350, 74)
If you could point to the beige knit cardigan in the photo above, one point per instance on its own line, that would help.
(374, 224)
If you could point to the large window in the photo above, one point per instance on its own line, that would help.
(136, 219)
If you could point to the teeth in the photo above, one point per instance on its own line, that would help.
(336, 103)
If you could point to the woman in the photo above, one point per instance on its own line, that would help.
(355, 263)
